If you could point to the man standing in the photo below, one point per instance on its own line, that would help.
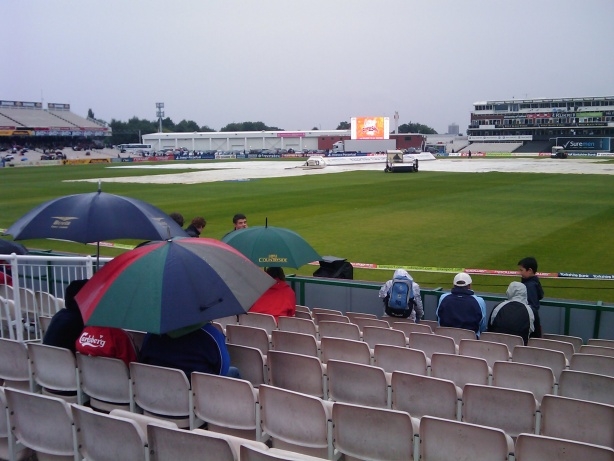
(196, 226)
(461, 308)
(240, 221)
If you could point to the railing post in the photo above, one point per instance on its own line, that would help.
(16, 298)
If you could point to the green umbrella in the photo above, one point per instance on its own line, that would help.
(270, 246)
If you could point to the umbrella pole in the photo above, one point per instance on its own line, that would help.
(97, 255)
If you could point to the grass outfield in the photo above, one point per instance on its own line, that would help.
(430, 219)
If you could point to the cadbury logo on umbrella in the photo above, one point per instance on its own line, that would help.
(62, 222)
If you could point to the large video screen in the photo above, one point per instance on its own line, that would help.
(370, 127)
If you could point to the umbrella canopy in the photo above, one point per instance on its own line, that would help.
(7, 247)
(165, 286)
(272, 246)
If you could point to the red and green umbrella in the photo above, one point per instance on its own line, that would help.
(168, 285)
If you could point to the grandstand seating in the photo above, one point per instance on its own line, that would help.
(344, 349)
(492, 147)
(459, 369)
(373, 335)
(457, 334)
(106, 381)
(15, 369)
(510, 341)
(74, 119)
(297, 343)
(265, 321)
(410, 327)
(395, 358)
(251, 362)
(357, 383)
(342, 330)
(531, 447)
(33, 118)
(431, 344)
(555, 360)
(587, 386)
(244, 335)
(566, 348)
(298, 325)
(575, 340)
(597, 350)
(601, 342)
(536, 379)
(424, 395)
(600, 364)
(299, 373)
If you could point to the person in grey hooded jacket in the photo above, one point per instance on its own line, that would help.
(514, 316)
(384, 292)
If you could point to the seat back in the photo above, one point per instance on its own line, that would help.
(295, 372)
(533, 378)
(423, 395)
(248, 336)
(587, 386)
(43, 324)
(462, 441)
(531, 447)
(107, 437)
(322, 310)
(395, 358)
(579, 420)
(162, 392)
(229, 405)
(55, 370)
(566, 348)
(9, 447)
(254, 319)
(374, 433)
(15, 365)
(344, 349)
(306, 434)
(41, 423)
(329, 317)
(356, 383)
(601, 342)
(431, 344)
(489, 351)
(575, 340)
(597, 350)
(301, 308)
(297, 343)
(344, 330)
(511, 410)
(589, 363)
(459, 369)
(555, 360)
(47, 303)
(297, 325)
(370, 322)
(251, 363)
(457, 334)
(362, 315)
(377, 335)
(510, 341)
(106, 381)
(410, 327)
(169, 444)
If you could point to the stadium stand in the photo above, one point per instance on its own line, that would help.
(491, 147)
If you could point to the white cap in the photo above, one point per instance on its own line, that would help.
(462, 279)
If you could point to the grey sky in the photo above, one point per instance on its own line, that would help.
(300, 64)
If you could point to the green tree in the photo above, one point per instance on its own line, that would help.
(416, 128)
(344, 126)
(315, 128)
(249, 126)
(90, 114)
(186, 126)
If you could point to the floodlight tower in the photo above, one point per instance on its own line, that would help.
(160, 114)
(396, 122)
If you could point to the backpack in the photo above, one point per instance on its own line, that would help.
(400, 300)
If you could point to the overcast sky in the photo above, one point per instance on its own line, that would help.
(303, 64)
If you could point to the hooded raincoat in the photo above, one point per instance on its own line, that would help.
(513, 316)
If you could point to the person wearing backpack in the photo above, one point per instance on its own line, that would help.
(401, 297)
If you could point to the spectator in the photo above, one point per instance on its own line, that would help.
(417, 311)
(178, 218)
(196, 227)
(279, 300)
(514, 316)
(202, 349)
(239, 221)
(461, 308)
(527, 267)
(67, 324)
(106, 342)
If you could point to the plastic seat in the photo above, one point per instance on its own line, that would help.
(459, 369)
(510, 341)
(579, 420)
(370, 322)
(15, 365)
(322, 310)
(309, 433)
(43, 424)
(377, 335)
(344, 330)
(249, 453)
(55, 370)
(103, 437)
(176, 444)
(410, 327)
(254, 319)
(589, 363)
(575, 340)
(566, 348)
(9, 448)
(601, 342)
(489, 351)
(362, 315)
(431, 323)
(106, 381)
(587, 386)
(329, 317)
(248, 336)
(251, 363)
(297, 343)
(533, 378)
(531, 447)
(164, 393)
(298, 325)
(303, 315)
(47, 303)
(374, 433)
(228, 405)
(597, 350)
(423, 395)
(513, 411)
(443, 439)
(301, 308)
(430, 344)
(344, 349)
(43, 324)
(555, 360)
(142, 420)
(358, 384)
(457, 334)
(225, 321)
(299, 373)
(395, 358)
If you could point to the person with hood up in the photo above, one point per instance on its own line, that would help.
(279, 300)
(514, 316)
(417, 312)
(67, 324)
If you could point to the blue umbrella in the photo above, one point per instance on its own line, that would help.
(7, 247)
(93, 217)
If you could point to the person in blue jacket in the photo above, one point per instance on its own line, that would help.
(461, 308)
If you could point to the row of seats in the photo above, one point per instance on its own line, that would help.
(298, 427)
